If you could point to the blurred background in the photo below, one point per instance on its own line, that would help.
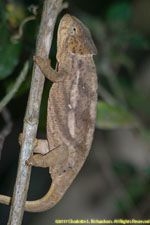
(115, 180)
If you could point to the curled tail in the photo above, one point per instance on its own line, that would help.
(53, 196)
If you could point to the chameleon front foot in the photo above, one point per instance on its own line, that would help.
(42, 63)
(47, 70)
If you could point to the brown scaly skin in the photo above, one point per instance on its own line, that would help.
(71, 112)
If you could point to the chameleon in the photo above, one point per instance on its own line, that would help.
(71, 111)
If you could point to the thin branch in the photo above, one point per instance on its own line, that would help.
(49, 15)
(65, 5)
(16, 86)
(7, 128)
(106, 95)
(20, 31)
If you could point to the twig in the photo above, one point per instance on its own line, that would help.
(65, 5)
(33, 9)
(16, 86)
(7, 128)
(20, 31)
(44, 39)
(106, 95)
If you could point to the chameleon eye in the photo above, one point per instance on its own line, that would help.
(74, 29)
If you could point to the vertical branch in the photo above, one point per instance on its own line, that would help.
(50, 10)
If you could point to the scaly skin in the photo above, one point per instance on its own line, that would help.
(71, 112)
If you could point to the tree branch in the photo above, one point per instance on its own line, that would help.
(7, 128)
(44, 39)
(16, 86)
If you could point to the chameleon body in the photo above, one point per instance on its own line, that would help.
(71, 111)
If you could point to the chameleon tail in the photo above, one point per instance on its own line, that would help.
(53, 196)
(57, 190)
(43, 204)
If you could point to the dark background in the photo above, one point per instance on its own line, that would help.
(115, 180)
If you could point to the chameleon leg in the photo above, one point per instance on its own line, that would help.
(40, 145)
(55, 159)
(47, 70)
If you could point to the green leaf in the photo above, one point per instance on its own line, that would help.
(137, 41)
(119, 12)
(113, 117)
(123, 168)
(135, 190)
(9, 53)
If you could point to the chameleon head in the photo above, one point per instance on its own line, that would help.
(74, 36)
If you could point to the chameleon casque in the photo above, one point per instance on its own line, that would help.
(71, 111)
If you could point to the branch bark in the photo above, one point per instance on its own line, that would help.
(50, 10)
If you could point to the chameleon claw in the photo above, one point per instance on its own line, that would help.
(36, 142)
(36, 59)
(28, 163)
(40, 61)
(20, 138)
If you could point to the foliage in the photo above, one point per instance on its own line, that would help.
(9, 53)
(116, 38)
(12, 51)
(112, 117)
